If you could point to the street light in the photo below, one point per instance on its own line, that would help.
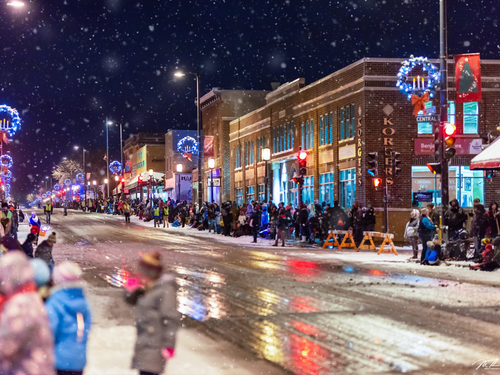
(107, 150)
(266, 156)
(121, 148)
(211, 165)
(179, 170)
(181, 74)
(84, 170)
(16, 4)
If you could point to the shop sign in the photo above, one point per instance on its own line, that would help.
(463, 146)
(422, 197)
(216, 181)
(388, 137)
(359, 134)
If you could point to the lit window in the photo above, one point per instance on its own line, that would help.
(471, 118)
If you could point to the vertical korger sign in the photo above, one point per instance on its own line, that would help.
(468, 78)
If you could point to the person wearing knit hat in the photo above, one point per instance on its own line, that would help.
(70, 319)
(44, 251)
(157, 319)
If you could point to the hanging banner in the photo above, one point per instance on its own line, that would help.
(468, 78)
(208, 149)
(128, 166)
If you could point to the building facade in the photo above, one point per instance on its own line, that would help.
(181, 158)
(344, 116)
(144, 151)
(218, 108)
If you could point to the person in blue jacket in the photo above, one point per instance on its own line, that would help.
(425, 231)
(70, 319)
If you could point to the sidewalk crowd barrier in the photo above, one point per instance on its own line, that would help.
(348, 241)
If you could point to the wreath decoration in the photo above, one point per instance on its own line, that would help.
(115, 167)
(15, 123)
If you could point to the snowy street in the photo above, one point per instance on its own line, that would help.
(303, 310)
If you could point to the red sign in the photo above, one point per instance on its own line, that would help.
(468, 77)
(463, 146)
(208, 147)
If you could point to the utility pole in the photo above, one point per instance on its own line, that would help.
(443, 56)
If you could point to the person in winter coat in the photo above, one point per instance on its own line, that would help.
(26, 344)
(44, 251)
(425, 232)
(411, 232)
(264, 220)
(282, 225)
(70, 319)
(479, 226)
(28, 245)
(156, 316)
(369, 219)
(255, 222)
(357, 224)
(156, 215)
(34, 223)
(455, 218)
(493, 220)
(42, 277)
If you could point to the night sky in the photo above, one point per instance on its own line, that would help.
(67, 65)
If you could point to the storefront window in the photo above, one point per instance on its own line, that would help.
(262, 193)
(347, 187)
(308, 190)
(239, 196)
(326, 193)
(471, 118)
(451, 112)
(250, 194)
(465, 185)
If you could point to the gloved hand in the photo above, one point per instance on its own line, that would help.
(168, 353)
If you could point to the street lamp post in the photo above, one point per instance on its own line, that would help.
(84, 173)
(200, 135)
(121, 150)
(179, 171)
(95, 189)
(151, 173)
(107, 150)
(266, 156)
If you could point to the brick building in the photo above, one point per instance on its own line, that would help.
(218, 108)
(341, 118)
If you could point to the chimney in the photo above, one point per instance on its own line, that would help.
(275, 85)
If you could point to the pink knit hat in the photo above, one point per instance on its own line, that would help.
(67, 271)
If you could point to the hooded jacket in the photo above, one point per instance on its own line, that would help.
(455, 217)
(44, 252)
(157, 322)
(70, 321)
(26, 344)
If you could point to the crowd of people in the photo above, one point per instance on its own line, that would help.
(480, 225)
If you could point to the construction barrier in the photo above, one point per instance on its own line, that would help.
(348, 241)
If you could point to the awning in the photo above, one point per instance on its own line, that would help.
(132, 183)
(489, 158)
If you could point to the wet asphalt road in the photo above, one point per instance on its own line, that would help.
(306, 317)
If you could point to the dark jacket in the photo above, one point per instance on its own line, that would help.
(455, 217)
(282, 222)
(425, 228)
(255, 217)
(157, 322)
(479, 222)
(369, 218)
(44, 252)
(28, 248)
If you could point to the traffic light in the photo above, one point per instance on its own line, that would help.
(377, 182)
(437, 142)
(449, 139)
(299, 180)
(123, 180)
(373, 163)
(395, 163)
(140, 180)
(434, 167)
(302, 163)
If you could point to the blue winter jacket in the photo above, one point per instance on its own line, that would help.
(67, 309)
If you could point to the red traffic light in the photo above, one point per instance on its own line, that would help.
(140, 179)
(302, 155)
(123, 180)
(449, 129)
(377, 182)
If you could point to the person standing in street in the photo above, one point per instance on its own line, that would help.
(455, 218)
(165, 215)
(126, 211)
(255, 222)
(282, 225)
(44, 251)
(425, 231)
(26, 344)
(433, 214)
(70, 319)
(48, 211)
(369, 219)
(156, 317)
(357, 223)
(411, 232)
(480, 225)
(156, 215)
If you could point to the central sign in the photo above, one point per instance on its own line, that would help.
(428, 118)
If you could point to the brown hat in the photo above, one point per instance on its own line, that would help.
(150, 265)
(52, 238)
